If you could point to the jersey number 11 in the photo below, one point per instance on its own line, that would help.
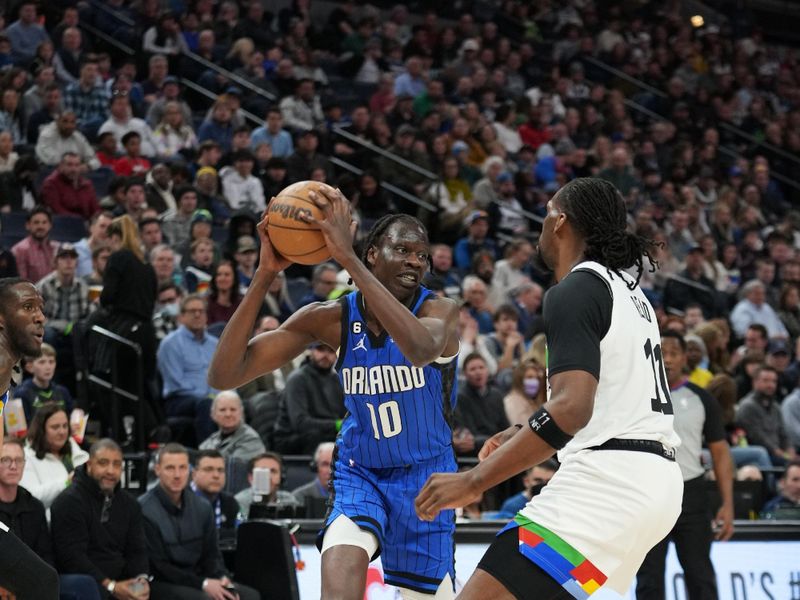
(662, 404)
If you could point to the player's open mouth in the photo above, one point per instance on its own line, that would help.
(408, 278)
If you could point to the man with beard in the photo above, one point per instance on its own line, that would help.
(35, 255)
(312, 406)
(22, 320)
(98, 528)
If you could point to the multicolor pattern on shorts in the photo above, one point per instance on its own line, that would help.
(573, 571)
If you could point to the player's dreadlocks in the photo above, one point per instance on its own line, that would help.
(597, 210)
(381, 226)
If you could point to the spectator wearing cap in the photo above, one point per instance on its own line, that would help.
(246, 256)
(170, 92)
(477, 230)
(122, 121)
(691, 286)
(67, 192)
(66, 297)
(35, 254)
(312, 404)
(273, 134)
(61, 136)
(240, 187)
(302, 111)
(753, 309)
(779, 357)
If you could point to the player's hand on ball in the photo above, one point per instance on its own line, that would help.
(269, 259)
(338, 225)
(497, 440)
(443, 491)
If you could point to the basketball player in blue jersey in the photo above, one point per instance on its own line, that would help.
(22, 572)
(397, 346)
(608, 415)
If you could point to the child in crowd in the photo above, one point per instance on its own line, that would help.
(40, 388)
(132, 163)
(199, 272)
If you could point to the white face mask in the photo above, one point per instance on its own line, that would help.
(172, 309)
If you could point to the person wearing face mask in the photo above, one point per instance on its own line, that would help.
(167, 309)
(534, 480)
(528, 392)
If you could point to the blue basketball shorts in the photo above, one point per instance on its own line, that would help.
(415, 554)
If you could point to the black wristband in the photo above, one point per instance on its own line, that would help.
(543, 425)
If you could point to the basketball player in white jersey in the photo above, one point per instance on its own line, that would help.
(22, 572)
(608, 415)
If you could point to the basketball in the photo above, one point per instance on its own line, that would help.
(291, 236)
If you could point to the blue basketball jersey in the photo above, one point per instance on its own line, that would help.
(398, 414)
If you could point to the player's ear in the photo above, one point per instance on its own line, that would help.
(371, 253)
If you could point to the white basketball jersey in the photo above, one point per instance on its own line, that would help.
(632, 399)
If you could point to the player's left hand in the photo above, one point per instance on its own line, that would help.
(337, 224)
(445, 490)
(723, 523)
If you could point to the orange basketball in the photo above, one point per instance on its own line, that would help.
(291, 236)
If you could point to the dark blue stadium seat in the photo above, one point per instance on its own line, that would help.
(298, 287)
(68, 228)
(100, 179)
(219, 234)
(215, 329)
(13, 223)
(7, 240)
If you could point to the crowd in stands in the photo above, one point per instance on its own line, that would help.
(131, 198)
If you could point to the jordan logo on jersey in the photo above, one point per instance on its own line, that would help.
(382, 379)
(360, 345)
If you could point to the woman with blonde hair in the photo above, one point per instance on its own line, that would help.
(127, 300)
(239, 55)
(528, 391)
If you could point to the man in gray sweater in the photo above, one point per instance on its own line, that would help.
(234, 438)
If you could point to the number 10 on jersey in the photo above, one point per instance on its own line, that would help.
(388, 414)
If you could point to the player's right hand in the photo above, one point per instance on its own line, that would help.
(269, 259)
(497, 440)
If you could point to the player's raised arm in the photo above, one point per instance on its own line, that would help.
(422, 340)
(238, 358)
